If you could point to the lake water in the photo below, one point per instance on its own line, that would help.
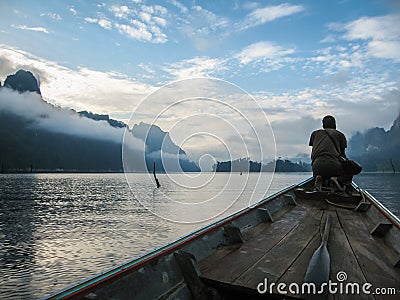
(56, 229)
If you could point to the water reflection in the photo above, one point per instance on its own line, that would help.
(17, 230)
(56, 229)
(383, 186)
(177, 201)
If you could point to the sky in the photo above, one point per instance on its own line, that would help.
(298, 61)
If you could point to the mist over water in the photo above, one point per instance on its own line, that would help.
(57, 229)
(42, 115)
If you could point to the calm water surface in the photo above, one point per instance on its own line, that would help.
(56, 229)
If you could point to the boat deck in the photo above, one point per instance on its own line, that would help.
(281, 251)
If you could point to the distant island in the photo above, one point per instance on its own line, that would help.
(243, 165)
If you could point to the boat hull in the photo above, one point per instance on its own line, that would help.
(272, 240)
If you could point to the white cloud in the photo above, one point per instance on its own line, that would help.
(137, 32)
(154, 9)
(334, 60)
(267, 55)
(359, 101)
(24, 27)
(53, 16)
(143, 23)
(382, 34)
(91, 20)
(204, 28)
(250, 5)
(262, 50)
(146, 68)
(183, 9)
(160, 21)
(328, 39)
(359, 104)
(195, 67)
(385, 49)
(82, 89)
(106, 24)
(208, 21)
(73, 11)
(266, 14)
(208, 29)
(122, 11)
(209, 116)
(145, 16)
(376, 28)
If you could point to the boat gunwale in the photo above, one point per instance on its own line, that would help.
(382, 209)
(115, 271)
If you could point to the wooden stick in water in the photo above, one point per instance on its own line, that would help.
(155, 177)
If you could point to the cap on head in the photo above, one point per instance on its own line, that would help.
(329, 122)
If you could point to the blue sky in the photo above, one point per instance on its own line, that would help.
(300, 60)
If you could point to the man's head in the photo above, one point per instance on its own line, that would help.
(329, 122)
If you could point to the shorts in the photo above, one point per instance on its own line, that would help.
(327, 167)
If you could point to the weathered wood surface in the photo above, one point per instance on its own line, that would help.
(369, 251)
(343, 259)
(274, 263)
(280, 251)
(230, 266)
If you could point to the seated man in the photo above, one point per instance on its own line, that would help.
(324, 155)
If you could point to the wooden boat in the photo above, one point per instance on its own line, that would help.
(264, 251)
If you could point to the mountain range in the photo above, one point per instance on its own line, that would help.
(37, 136)
(376, 149)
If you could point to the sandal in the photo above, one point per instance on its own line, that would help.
(336, 184)
(318, 183)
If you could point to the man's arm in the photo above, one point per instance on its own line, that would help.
(343, 145)
(310, 143)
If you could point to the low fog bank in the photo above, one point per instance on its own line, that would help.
(42, 115)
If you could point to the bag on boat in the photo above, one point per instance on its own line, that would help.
(349, 166)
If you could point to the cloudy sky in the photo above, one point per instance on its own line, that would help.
(299, 60)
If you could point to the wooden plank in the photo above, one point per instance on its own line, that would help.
(386, 242)
(274, 263)
(376, 266)
(232, 265)
(208, 264)
(343, 259)
(255, 231)
(295, 273)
